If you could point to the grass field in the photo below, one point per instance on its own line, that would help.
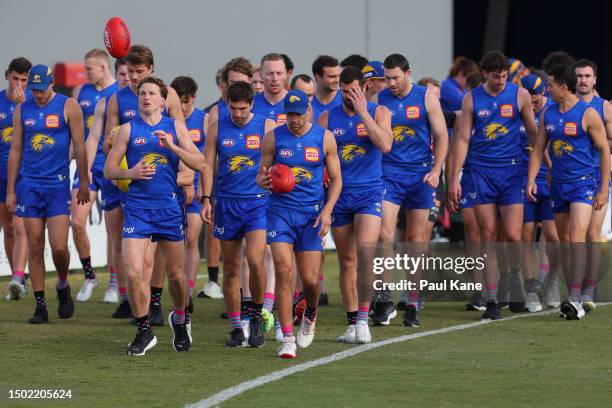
(535, 361)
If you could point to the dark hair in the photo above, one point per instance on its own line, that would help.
(351, 74)
(462, 65)
(19, 65)
(301, 77)
(583, 63)
(474, 79)
(564, 75)
(184, 86)
(238, 64)
(140, 55)
(354, 60)
(428, 80)
(289, 65)
(396, 61)
(556, 58)
(239, 92)
(119, 62)
(323, 61)
(494, 61)
(163, 89)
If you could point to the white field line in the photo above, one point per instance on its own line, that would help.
(231, 392)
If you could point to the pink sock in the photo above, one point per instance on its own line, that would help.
(287, 330)
(18, 275)
(191, 283)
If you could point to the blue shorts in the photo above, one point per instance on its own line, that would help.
(409, 191)
(234, 217)
(156, 224)
(111, 195)
(294, 227)
(498, 185)
(42, 202)
(356, 202)
(562, 194)
(540, 210)
(468, 193)
(195, 207)
(3, 184)
(96, 183)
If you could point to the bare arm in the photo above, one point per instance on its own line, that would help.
(332, 165)
(112, 120)
(535, 158)
(461, 141)
(187, 152)
(174, 105)
(112, 169)
(440, 136)
(267, 160)
(91, 144)
(213, 116)
(14, 160)
(74, 116)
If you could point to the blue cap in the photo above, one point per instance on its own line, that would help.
(40, 77)
(534, 84)
(374, 70)
(295, 102)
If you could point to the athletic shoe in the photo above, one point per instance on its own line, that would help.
(411, 316)
(256, 332)
(180, 336)
(211, 290)
(492, 312)
(287, 349)
(190, 305)
(587, 303)
(278, 332)
(348, 336)
(236, 338)
(362, 332)
(572, 309)
(298, 312)
(188, 326)
(245, 327)
(86, 290)
(124, 311)
(268, 320)
(532, 302)
(142, 343)
(65, 309)
(552, 297)
(323, 300)
(111, 296)
(306, 333)
(383, 313)
(41, 315)
(17, 290)
(517, 298)
(156, 317)
(476, 303)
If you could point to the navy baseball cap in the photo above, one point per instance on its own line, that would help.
(295, 102)
(534, 84)
(39, 78)
(374, 70)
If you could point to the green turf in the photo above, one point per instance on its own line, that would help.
(527, 362)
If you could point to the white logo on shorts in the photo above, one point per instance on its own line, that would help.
(219, 230)
(128, 230)
(272, 234)
(19, 208)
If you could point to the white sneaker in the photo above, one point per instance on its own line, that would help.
(348, 336)
(532, 302)
(572, 309)
(86, 290)
(305, 335)
(287, 349)
(245, 327)
(111, 296)
(362, 332)
(278, 332)
(17, 290)
(551, 292)
(212, 290)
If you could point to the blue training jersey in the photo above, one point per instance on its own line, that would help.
(195, 127)
(46, 144)
(88, 98)
(239, 153)
(160, 191)
(360, 159)
(6, 128)
(127, 105)
(222, 110)
(496, 137)
(598, 104)
(264, 108)
(527, 148)
(318, 107)
(100, 158)
(411, 132)
(305, 155)
(569, 144)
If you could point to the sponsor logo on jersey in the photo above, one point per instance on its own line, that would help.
(493, 130)
(506, 110)
(253, 142)
(413, 112)
(361, 130)
(51, 121)
(228, 142)
(29, 122)
(483, 113)
(196, 135)
(85, 103)
(41, 142)
(560, 148)
(129, 114)
(570, 129)
(401, 132)
(338, 132)
(285, 153)
(237, 163)
(351, 151)
(155, 160)
(281, 119)
(140, 141)
(301, 174)
(311, 154)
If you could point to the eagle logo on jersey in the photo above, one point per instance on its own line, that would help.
(352, 151)
(301, 174)
(90, 121)
(493, 130)
(237, 163)
(400, 133)
(7, 134)
(294, 98)
(560, 148)
(40, 142)
(154, 160)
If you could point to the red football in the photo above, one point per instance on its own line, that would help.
(283, 180)
(117, 37)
